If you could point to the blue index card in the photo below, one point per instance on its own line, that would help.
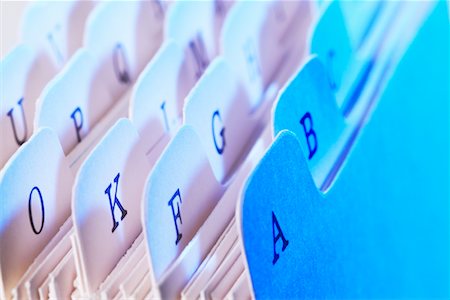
(360, 17)
(274, 189)
(307, 107)
(346, 69)
(382, 229)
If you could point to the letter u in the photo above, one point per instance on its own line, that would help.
(10, 114)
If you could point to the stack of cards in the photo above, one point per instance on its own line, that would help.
(226, 150)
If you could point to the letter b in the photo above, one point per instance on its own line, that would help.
(310, 134)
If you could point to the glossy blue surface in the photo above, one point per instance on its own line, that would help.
(382, 229)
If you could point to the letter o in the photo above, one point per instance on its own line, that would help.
(42, 210)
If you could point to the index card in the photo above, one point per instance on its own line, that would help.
(158, 96)
(56, 27)
(240, 46)
(123, 47)
(360, 18)
(196, 36)
(386, 211)
(211, 233)
(106, 205)
(307, 108)
(223, 122)
(346, 70)
(255, 41)
(180, 193)
(74, 101)
(24, 73)
(35, 189)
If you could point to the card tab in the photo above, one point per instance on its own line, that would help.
(202, 246)
(24, 73)
(269, 207)
(158, 96)
(285, 33)
(56, 27)
(360, 17)
(123, 36)
(35, 190)
(195, 36)
(106, 205)
(385, 215)
(335, 49)
(307, 108)
(74, 101)
(221, 10)
(332, 43)
(240, 44)
(223, 122)
(175, 204)
(254, 41)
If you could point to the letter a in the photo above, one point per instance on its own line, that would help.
(276, 238)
